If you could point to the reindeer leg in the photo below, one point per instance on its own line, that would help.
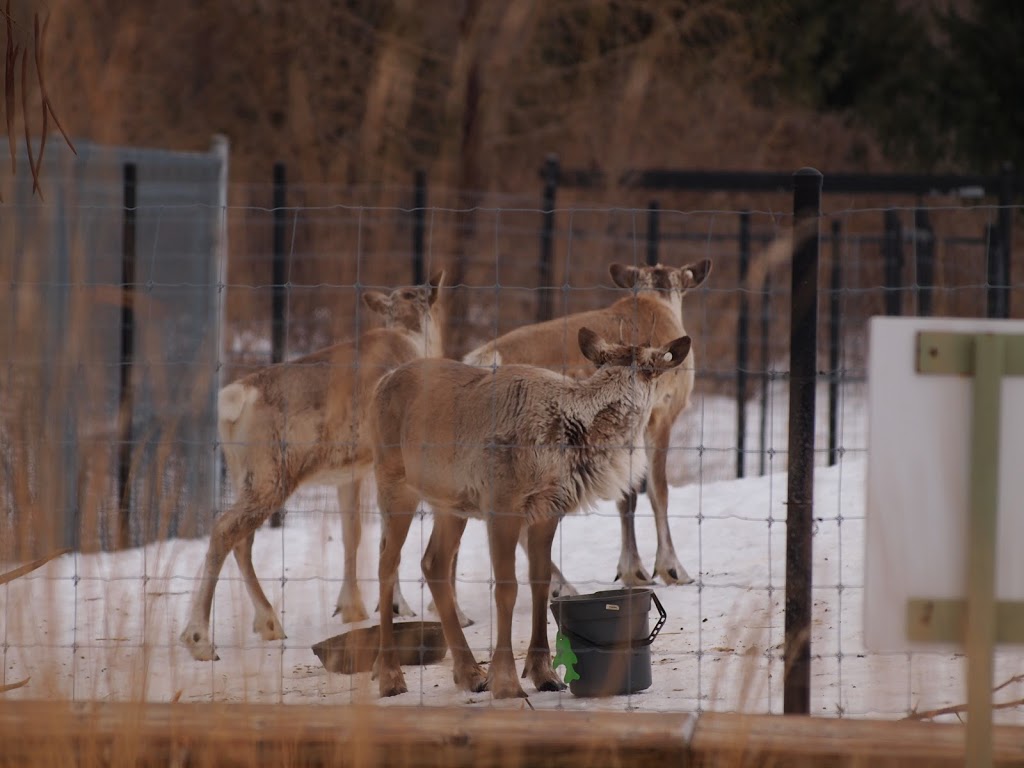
(400, 605)
(437, 568)
(233, 527)
(265, 623)
(666, 563)
(397, 509)
(631, 568)
(559, 584)
(538, 658)
(350, 600)
(464, 620)
(503, 532)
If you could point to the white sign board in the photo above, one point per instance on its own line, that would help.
(917, 476)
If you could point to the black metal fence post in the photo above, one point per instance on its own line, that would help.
(803, 349)
(419, 213)
(993, 272)
(126, 397)
(547, 234)
(924, 257)
(766, 323)
(742, 344)
(892, 255)
(834, 341)
(278, 296)
(1006, 198)
(653, 232)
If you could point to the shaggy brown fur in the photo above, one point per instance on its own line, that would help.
(518, 446)
(299, 423)
(652, 315)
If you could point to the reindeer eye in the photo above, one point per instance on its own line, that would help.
(408, 294)
(667, 357)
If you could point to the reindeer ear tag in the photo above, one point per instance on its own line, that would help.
(667, 357)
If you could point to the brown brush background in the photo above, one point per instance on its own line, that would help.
(354, 96)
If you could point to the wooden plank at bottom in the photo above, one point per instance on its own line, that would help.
(45, 733)
(105, 734)
(730, 739)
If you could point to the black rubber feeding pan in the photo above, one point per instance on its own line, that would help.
(418, 642)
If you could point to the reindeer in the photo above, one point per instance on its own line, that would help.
(654, 312)
(302, 423)
(517, 446)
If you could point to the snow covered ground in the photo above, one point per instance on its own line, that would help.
(105, 626)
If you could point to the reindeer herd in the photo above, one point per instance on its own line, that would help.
(534, 425)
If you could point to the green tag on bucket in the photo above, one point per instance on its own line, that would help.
(564, 657)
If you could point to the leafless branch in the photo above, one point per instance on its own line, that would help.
(10, 61)
(13, 49)
(957, 709)
(32, 167)
(29, 567)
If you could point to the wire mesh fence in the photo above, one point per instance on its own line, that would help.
(106, 624)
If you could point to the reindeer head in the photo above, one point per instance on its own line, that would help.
(671, 282)
(649, 362)
(414, 309)
(405, 307)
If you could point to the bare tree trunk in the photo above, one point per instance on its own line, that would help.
(489, 35)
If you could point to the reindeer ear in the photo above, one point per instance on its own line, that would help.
(592, 346)
(623, 275)
(695, 274)
(378, 302)
(436, 282)
(673, 353)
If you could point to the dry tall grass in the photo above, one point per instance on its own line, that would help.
(353, 96)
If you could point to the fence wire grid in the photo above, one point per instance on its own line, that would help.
(103, 621)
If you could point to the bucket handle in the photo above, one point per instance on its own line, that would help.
(625, 644)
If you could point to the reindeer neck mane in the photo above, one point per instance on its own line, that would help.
(613, 389)
(427, 342)
(673, 301)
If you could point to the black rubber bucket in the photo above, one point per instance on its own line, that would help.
(609, 632)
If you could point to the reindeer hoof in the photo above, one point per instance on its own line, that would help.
(198, 643)
(397, 609)
(464, 620)
(565, 589)
(391, 682)
(507, 691)
(538, 669)
(637, 578)
(268, 628)
(351, 613)
(473, 679)
(393, 690)
(552, 685)
(673, 574)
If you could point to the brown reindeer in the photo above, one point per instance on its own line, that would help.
(517, 446)
(300, 423)
(653, 313)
